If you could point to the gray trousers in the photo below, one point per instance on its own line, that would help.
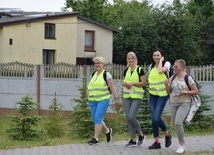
(179, 112)
(131, 108)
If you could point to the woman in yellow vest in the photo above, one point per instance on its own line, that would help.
(99, 99)
(158, 97)
(134, 81)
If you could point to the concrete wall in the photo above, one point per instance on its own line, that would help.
(14, 88)
(207, 88)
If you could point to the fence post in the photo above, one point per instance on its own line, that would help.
(84, 72)
(38, 78)
(188, 69)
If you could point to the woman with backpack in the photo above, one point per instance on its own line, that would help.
(99, 99)
(158, 96)
(134, 80)
(180, 99)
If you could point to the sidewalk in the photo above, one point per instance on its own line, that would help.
(193, 144)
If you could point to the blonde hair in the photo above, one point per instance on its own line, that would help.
(182, 62)
(133, 55)
(99, 59)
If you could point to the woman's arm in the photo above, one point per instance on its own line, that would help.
(142, 82)
(161, 68)
(112, 88)
(168, 86)
(193, 91)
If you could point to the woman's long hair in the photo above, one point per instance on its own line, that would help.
(162, 54)
(133, 55)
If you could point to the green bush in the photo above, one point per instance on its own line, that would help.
(56, 125)
(81, 123)
(118, 121)
(21, 127)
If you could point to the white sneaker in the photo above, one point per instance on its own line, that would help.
(180, 150)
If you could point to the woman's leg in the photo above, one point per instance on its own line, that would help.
(181, 114)
(153, 102)
(161, 103)
(127, 106)
(135, 105)
(157, 105)
(93, 108)
(100, 112)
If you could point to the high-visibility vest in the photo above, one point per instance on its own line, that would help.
(156, 83)
(97, 88)
(138, 92)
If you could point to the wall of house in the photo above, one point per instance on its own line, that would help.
(103, 41)
(28, 41)
(66, 39)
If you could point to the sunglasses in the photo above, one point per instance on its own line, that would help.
(97, 63)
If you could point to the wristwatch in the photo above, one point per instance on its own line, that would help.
(185, 92)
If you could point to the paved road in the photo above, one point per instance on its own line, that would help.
(193, 144)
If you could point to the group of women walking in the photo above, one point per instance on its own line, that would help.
(160, 91)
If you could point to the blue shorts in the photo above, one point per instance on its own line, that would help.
(98, 110)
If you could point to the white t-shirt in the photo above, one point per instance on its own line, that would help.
(108, 76)
(167, 65)
(182, 86)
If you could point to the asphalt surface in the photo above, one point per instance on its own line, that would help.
(202, 144)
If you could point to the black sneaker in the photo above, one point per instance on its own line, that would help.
(93, 142)
(109, 135)
(168, 140)
(131, 144)
(155, 145)
(141, 139)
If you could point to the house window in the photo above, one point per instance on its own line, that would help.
(49, 31)
(10, 41)
(89, 41)
(84, 61)
(48, 57)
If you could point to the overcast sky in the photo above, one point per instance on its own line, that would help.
(43, 5)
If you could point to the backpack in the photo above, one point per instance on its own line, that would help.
(195, 100)
(168, 73)
(104, 77)
(186, 80)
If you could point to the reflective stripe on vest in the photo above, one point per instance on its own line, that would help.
(134, 77)
(97, 88)
(156, 83)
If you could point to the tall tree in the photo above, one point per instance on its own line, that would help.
(203, 11)
(204, 7)
(180, 33)
(139, 33)
(88, 8)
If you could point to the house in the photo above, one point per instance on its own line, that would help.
(53, 37)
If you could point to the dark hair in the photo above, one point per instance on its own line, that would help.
(161, 52)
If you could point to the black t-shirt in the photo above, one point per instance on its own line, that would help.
(140, 72)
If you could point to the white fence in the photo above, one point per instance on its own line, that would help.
(42, 82)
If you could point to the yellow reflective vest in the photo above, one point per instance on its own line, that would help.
(138, 92)
(156, 83)
(97, 88)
